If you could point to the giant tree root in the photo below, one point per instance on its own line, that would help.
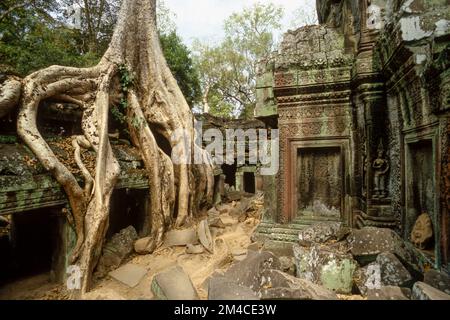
(155, 106)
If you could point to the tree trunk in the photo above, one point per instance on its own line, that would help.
(155, 105)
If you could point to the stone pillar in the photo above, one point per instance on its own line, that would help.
(240, 181)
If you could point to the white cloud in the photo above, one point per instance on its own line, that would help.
(204, 19)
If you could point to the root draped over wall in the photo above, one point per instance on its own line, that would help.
(155, 107)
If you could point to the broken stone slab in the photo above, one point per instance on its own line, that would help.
(175, 238)
(204, 235)
(325, 266)
(216, 222)
(249, 271)
(244, 205)
(233, 195)
(438, 280)
(276, 284)
(173, 284)
(367, 243)
(141, 245)
(129, 274)
(194, 249)
(222, 288)
(389, 293)
(319, 233)
(393, 273)
(387, 270)
(116, 250)
(368, 278)
(423, 291)
(288, 265)
(213, 212)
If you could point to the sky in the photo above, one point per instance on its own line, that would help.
(203, 19)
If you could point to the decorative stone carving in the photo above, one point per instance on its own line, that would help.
(422, 232)
(380, 167)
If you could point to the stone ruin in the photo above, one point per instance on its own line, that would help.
(361, 101)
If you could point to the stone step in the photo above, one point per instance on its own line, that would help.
(278, 237)
(287, 232)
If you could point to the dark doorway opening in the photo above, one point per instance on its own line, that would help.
(249, 182)
(32, 245)
(128, 208)
(421, 186)
(230, 174)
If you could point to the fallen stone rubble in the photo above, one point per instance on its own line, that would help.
(329, 262)
(375, 263)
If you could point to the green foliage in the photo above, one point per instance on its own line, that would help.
(228, 70)
(31, 39)
(35, 36)
(126, 80)
(180, 63)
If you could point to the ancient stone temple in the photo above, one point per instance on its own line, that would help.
(361, 101)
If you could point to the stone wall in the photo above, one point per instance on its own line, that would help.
(372, 79)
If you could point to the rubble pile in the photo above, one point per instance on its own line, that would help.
(375, 263)
(329, 262)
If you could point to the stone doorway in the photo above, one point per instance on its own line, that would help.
(249, 182)
(319, 183)
(316, 181)
(421, 190)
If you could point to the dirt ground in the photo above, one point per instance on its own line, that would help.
(235, 238)
(230, 244)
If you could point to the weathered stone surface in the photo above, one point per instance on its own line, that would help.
(388, 293)
(141, 245)
(249, 271)
(368, 278)
(222, 288)
(423, 291)
(116, 250)
(234, 195)
(194, 249)
(320, 233)
(129, 274)
(438, 280)
(216, 222)
(279, 285)
(325, 266)
(173, 284)
(367, 243)
(288, 265)
(422, 232)
(204, 235)
(393, 273)
(387, 271)
(181, 237)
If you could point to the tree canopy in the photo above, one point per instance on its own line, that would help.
(39, 33)
(228, 70)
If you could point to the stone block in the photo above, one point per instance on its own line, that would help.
(173, 284)
(438, 280)
(325, 266)
(222, 288)
(129, 274)
(423, 291)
